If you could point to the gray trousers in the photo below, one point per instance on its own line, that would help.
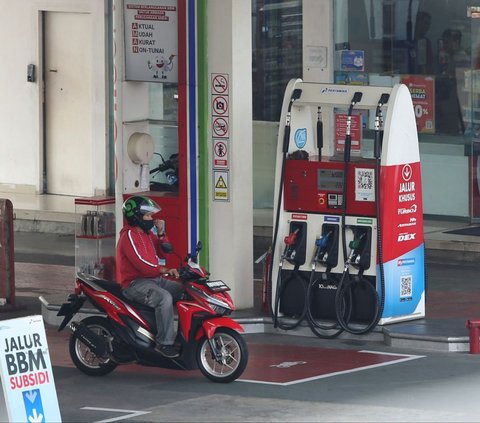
(160, 294)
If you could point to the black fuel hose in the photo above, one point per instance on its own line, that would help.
(322, 330)
(286, 140)
(291, 322)
(346, 288)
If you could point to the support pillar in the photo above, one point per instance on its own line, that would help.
(230, 120)
(318, 42)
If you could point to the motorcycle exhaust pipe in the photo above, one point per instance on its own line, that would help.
(97, 344)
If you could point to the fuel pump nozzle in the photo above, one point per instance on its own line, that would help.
(286, 136)
(319, 133)
(321, 244)
(290, 240)
(379, 126)
(348, 132)
(357, 245)
(346, 159)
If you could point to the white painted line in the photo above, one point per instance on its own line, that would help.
(407, 357)
(131, 413)
(414, 357)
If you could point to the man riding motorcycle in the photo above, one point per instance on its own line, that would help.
(140, 272)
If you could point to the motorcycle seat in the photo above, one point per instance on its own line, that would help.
(110, 286)
(114, 288)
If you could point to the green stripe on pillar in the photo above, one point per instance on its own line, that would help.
(203, 126)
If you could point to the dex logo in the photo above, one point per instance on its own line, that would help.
(406, 237)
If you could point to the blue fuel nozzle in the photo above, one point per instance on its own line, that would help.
(322, 241)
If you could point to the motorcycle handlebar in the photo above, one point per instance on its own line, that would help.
(163, 167)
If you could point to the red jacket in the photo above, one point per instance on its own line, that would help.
(138, 255)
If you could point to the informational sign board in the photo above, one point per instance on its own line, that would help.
(422, 90)
(221, 183)
(220, 153)
(26, 371)
(352, 60)
(220, 102)
(341, 130)
(151, 40)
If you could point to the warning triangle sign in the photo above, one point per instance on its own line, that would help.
(221, 183)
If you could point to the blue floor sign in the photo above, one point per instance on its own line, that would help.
(33, 405)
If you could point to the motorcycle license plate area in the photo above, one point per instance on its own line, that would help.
(217, 286)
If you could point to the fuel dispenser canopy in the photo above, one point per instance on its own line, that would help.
(348, 205)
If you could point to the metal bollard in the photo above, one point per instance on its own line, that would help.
(473, 327)
(7, 259)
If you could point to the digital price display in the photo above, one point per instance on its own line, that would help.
(330, 180)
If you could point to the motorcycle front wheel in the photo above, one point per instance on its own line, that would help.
(83, 357)
(232, 356)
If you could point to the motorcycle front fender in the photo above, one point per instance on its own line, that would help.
(210, 326)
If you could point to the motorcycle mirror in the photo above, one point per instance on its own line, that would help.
(199, 246)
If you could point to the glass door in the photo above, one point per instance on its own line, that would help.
(472, 115)
(163, 127)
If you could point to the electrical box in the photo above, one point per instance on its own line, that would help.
(95, 236)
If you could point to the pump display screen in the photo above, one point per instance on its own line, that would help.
(330, 180)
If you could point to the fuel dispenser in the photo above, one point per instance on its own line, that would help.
(348, 248)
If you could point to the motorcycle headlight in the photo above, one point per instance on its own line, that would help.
(221, 310)
(217, 305)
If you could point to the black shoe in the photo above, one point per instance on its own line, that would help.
(168, 351)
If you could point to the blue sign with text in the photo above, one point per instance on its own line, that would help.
(33, 405)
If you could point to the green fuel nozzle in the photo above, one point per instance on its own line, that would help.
(355, 244)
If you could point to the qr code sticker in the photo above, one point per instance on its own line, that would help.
(364, 184)
(406, 286)
(365, 179)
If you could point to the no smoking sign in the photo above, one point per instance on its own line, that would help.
(220, 83)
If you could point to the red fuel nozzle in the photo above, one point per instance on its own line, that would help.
(290, 238)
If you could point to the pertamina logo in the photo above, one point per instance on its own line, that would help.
(328, 90)
(407, 172)
(405, 262)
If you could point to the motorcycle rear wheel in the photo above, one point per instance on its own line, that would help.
(83, 358)
(234, 356)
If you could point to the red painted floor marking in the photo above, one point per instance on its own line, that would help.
(289, 364)
(268, 363)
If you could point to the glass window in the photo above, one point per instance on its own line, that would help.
(427, 45)
(277, 53)
(422, 43)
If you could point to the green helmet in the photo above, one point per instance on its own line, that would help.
(134, 208)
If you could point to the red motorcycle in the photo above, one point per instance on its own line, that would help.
(208, 339)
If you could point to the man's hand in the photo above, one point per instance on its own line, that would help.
(160, 225)
(173, 272)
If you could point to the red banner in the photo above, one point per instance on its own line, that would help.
(422, 90)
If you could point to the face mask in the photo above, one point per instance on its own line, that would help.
(146, 225)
